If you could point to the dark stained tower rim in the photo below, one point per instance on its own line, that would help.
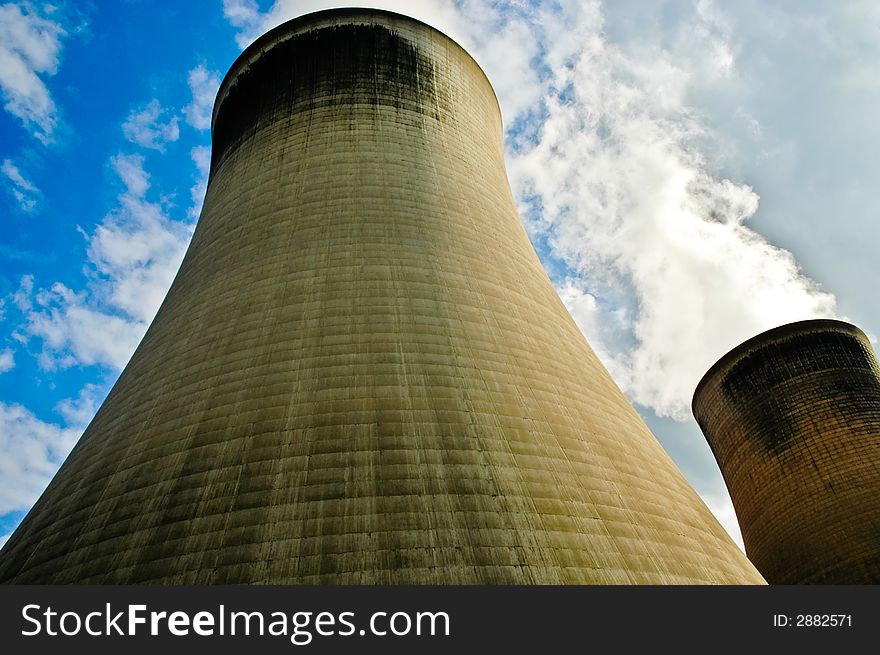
(774, 334)
(289, 28)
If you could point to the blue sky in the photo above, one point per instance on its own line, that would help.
(690, 172)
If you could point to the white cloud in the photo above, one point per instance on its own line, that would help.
(79, 411)
(30, 453)
(24, 192)
(22, 296)
(73, 330)
(134, 254)
(243, 14)
(203, 85)
(201, 157)
(30, 46)
(631, 206)
(130, 169)
(31, 450)
(145, 127)
(137, 247)
(7, 360)
(501, 39)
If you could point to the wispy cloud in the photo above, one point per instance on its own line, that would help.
(75, 330)
(79, 411)
(22, 297)
(246, 16)
(133, 253)
(30, 46)
(201, 157)
(24, 192)
(137, 247)
(203, 85)
(146, 127)
(7, 360)
(30, 453)
(31, 450)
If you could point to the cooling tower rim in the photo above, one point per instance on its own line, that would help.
(276, 33)
(767, 337)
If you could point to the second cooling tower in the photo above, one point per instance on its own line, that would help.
(361, 373)
(793, 417)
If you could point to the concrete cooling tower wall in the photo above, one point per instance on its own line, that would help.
(793, 417)
(361, 373)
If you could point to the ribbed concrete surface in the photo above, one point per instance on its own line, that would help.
(362, 373)
(793, 417)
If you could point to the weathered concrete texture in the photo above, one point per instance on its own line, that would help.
(361, 373)
(793, 417)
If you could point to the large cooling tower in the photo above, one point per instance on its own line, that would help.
(793, 417)
(361, 373)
